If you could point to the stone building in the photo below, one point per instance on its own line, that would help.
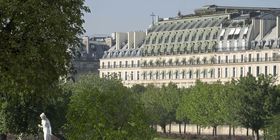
(215, 43)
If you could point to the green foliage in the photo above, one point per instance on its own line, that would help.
(105, 109)
(161, 104)
(273, 128)
(204, 104)
(36, 41)
(20, 113)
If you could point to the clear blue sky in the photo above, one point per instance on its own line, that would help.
(109, 16)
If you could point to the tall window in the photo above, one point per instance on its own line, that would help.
(103, 65)
(258, 57)
(131, 75)
(226, 59)
(138, 63)
(250, 58)
(219, 59)
(125, 76)
(176, 74)
(138, 73)
(109, 65)
(157, 75)
(226, 72)
(242, 58)
(126, 64)
(132, 63)
(233, 72)
(120, 64)
(197, 74)
(219, 72)
(241, 72)
(249, 70)
(183, 74)
(274, 70)
(258, 70)
(120, 75)
(265, 70)
(169, 74)
(163, 75)
(266, 57)
(114, 65)
(190, 75)
(234, 58)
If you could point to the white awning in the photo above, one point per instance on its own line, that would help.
(237, 31)
(222, 32)
(245, 31)
(231, 31)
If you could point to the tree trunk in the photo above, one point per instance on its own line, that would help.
(247, 132)
(257, 136)
(233, 131)
(213, 131)
(185, 126)
(229, 131)
(3, 137)
(170, 128)
(180, 128)
(164, 129)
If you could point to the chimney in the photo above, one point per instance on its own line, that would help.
(256, 27)
(262, 28)
(277, 27)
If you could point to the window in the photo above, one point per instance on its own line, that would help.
(242, 58)
(219, 59)
(138, 73)
(132, 63)
(258, 70)
(226, 59)
(266, 57)
(151, 75)
(144, 75)
(233, 72)
(183, 74)
(109, 65)
(234, 59)
(163, 75)
(241, 72)
(274, 70)
(126, 64)
(197, 74)
(114, 65)
(190, 75)
(226, 72)
(120, 75)
(138, 63)
(131, 75)
(120, 64)
(265, 70)
(157, 75)
(258, 57)
(125, 76)
(219, 73)
(103, 65)
(204, 74)
(250, 58)
(176, 75)
(249, 70)
(212, 73)
(169, 74)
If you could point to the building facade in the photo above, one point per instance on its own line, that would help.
(89, 54)
(215, 43)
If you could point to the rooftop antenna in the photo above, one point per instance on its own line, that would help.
(153, 18)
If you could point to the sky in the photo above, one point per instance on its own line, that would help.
(108, 16)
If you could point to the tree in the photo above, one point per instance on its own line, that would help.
(273, 128)
(257, 101)
(104, 109)
(36, 38)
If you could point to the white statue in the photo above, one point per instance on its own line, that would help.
(46, 125)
